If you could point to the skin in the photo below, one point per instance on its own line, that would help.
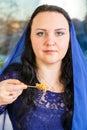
(50, 37)
(10, 90)
(50, 41)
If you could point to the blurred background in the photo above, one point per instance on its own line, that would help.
(14, 15)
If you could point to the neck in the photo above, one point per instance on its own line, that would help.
(51, 78)
(49, 72)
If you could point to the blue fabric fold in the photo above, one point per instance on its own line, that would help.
(80, 84)
(16, 53)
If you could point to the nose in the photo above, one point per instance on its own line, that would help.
(50, 40)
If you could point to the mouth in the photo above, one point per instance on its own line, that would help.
(50, 51)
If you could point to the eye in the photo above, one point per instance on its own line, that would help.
(60, 33)
(40, 34)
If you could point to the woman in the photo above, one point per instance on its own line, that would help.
(46, 58)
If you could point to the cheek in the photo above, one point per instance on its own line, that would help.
(36, 47)
(66, 43)
(36, 43)
(64, 47)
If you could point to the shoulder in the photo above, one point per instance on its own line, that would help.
(12, 71)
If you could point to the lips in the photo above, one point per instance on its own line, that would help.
(50, 51)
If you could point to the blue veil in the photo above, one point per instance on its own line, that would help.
(79, 74)
(15, 56)
(80, 84)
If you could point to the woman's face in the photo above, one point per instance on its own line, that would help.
(50, 37)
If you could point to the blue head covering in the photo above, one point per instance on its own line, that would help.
(79, 76)
(15, 56)
(80, 84)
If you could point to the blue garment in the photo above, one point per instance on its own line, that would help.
(48, 113)
(80, 84)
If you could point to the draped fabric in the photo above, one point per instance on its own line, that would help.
(80, 84)
(79, 76)
(16, 53)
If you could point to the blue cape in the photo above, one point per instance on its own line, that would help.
(79, 77)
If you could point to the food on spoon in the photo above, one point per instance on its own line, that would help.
(41, 86)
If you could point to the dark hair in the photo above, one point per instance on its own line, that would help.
(29, 67)
(28, 56)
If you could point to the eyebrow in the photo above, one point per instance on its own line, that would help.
(41, 29)
(58, 29)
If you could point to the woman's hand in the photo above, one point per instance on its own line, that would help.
(10, 89)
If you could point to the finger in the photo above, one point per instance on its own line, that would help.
(14, 81)
(15, 94)
(16, 87)
(8, 100)
(11, 98)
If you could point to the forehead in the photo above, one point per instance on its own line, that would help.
(51, 19)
